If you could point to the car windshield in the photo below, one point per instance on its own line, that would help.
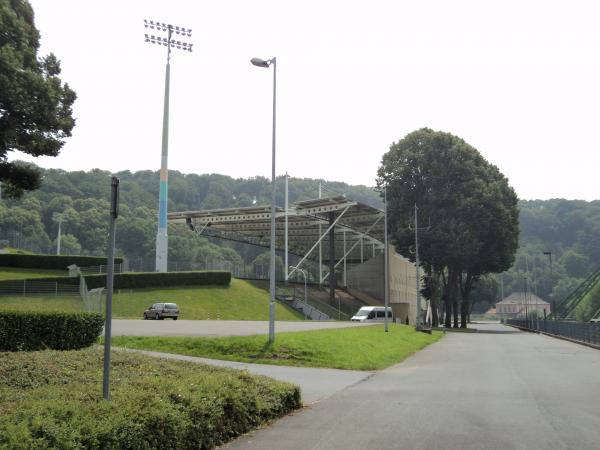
(170, 306)
(362, 313)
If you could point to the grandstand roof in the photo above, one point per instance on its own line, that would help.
(253, 224)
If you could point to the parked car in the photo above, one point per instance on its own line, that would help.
(159, 311)
(372, 314)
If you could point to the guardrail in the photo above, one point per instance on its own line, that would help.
(578, 331)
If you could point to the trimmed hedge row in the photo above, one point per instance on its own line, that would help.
(58, 262)
(161, 279)
(48, 330)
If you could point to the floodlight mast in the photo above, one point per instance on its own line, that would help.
(161, 235)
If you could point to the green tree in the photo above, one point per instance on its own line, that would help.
(35, 107)
(472, 210)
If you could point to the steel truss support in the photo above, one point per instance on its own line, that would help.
(319, 240)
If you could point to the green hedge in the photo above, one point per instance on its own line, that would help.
(160, 279)
(48, 330)
(58, 262)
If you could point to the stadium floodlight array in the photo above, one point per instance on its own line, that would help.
(168, 41)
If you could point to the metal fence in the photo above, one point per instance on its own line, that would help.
(578, 331)
(33, 287)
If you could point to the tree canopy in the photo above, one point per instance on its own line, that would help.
(471, 208)
(35, 107)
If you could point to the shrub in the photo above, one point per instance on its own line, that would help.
(161, 279)
(48, 330)
(57, 262)
(52, 400)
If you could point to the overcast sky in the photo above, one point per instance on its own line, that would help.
(517, 79)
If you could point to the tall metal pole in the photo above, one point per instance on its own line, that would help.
(114, 212)
(272, 261)
(320, 248)
(286, 227)
(58, 237)
(418, 320)
(161, 235)
(386, 260)
(163, 194)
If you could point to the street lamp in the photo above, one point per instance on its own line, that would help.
(303, 272)
(554, 312)
(266, 63)
(161, 235)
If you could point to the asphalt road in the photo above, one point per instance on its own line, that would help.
(170, 327)
(496, 389)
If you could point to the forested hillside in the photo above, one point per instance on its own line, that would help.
(569, 229)
(80, 201)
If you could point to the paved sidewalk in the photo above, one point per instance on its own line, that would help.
(315, 384)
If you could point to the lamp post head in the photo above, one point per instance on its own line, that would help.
(261, 62)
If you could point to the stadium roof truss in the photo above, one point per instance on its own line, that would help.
(357, 228)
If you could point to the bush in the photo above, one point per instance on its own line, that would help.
(48, 330)
(57, 262)
(52, 400)
(161, 279)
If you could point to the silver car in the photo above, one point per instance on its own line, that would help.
(159, 311)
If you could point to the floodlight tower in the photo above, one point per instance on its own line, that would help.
(161, 235)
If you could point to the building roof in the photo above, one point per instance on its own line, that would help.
(520, 298)
(252, 225)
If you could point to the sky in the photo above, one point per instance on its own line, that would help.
(517, 79)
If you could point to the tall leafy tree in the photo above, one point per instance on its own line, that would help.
(35, 106)
(472, 210)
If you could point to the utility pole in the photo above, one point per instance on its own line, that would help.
(548, 253)
(57, 217)
(161, 235)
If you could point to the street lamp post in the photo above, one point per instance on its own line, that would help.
(386, 256)
(161, 235)
(303, 272)
(262, 63)
(554, 312)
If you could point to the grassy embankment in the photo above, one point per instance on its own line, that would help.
(361, 348)
(53, 399)
(240, 301)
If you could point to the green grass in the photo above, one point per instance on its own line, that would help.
(360, 348)
(41, 303)
(240, 301)
(53, 399)
(18, 273)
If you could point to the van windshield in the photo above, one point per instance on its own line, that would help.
(170, 306)
(362, 313)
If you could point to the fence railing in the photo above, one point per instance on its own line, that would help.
(578, 331)
(32, 287)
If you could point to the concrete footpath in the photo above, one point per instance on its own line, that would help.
(499, 388)
(315, 384)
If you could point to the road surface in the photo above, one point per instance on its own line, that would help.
(496, 389)
(170, 327)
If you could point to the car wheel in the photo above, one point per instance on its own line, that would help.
(145, 317)
(156, 316)
(174, 318)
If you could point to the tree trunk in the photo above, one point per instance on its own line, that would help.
(435, 290)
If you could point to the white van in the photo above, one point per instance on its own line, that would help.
(372, 314)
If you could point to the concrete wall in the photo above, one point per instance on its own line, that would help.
(368, 278)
